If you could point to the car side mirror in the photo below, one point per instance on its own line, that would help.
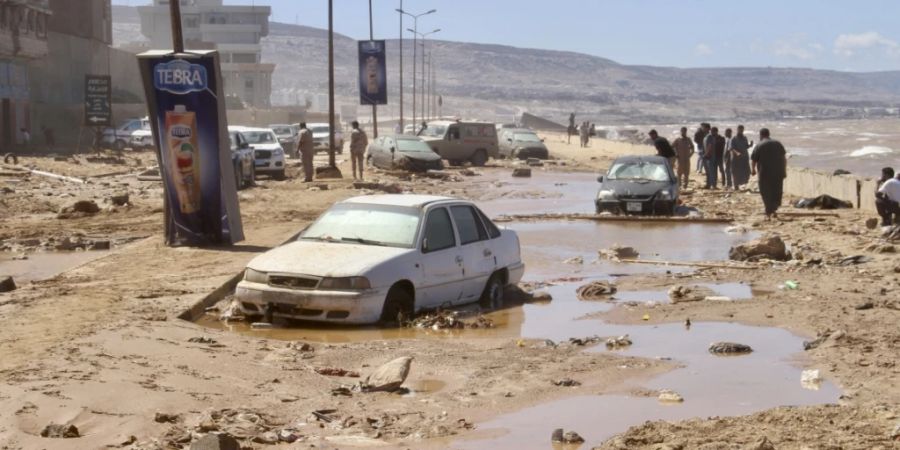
(600, 179)
(509, 139)
(245, 145)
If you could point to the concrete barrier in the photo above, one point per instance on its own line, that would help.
(802, 182)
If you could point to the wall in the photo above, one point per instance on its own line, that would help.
(810, 183)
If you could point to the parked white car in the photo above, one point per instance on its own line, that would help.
(268, 156)
(320, 137)
(377, 258)
(121, 137)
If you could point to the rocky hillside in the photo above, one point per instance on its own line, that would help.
(497, 82)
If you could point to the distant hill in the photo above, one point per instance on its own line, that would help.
(498, 82)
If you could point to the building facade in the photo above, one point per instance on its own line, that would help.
(235, 31)
(23, 38)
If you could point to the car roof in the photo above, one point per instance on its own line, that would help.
(408, 137)
(252, 129)
(518, 130)
(317, 124)
(413, 200)
(640, 158)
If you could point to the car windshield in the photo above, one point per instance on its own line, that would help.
(526, 137)
(638, 170)
(434, 131)
(393, 226)
(412, 145)
(317, 130)
(281, 131)
(259, 137)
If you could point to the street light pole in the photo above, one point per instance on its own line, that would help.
(400, 12)
(415, 32)
(423, 36)
(331, 129)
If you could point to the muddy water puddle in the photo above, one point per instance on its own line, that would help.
(711, 385)
(542, 193)
(43, 265)
(547, 245)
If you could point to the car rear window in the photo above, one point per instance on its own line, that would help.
(492, 229)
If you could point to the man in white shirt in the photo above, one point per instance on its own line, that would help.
(888, 200)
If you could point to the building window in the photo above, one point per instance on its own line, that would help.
(248, 84)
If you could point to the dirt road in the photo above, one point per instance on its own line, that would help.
(99, 346)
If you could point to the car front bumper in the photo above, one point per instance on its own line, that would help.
(539, 153)
(350, 307)
(647, 207)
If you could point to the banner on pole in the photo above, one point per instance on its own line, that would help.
(372, 73)
(187, 115)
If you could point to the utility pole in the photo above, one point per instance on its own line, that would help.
(374, 106)
(331, 129)
(177, 35)
(400, 11)
(423, 36)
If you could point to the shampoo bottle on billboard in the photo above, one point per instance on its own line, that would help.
(181, 137)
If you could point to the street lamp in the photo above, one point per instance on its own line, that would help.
(415, 31)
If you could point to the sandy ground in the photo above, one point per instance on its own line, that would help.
(100, 346)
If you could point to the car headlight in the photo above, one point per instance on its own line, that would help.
(665, 194)
(345, 283)
(278, 151)
(255, 276)
(606, 194)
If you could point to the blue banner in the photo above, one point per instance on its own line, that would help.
(372, 73)
(187, 115)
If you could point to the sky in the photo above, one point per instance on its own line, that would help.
(858, 35)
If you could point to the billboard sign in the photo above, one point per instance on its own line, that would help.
(97, 100)
(372, 73)
(187, 114)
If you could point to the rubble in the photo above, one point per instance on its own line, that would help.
(619, 252)
(336, 372)
(521, 172)
(60, 431)
(729, 348)
(388, 377)
(7, 284)
(566, 382)
(618, 342)
(767, 247)
(390, 188)
(78, 209)
(216, 442)
(683, 294)
(596, 290)
(448, 320)
(668, 396)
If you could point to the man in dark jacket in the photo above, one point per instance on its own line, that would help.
(770, 161)
(663, 148)
(713, 147)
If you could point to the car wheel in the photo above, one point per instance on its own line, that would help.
(279, 175)
(479, 158)
(398, 307)
(492, 297)
(119, 145)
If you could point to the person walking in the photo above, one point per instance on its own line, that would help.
(887, 197)
(26, 137)
(583, 130)
(663, 148)
(739, 149)
(770, 161)
(700, 140)
(307, 151)
(571, 129)
(684, 150)
(713, 146)
(725, 162)
(358, 144)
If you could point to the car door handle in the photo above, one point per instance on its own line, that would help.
(459, 259)
(487, 253)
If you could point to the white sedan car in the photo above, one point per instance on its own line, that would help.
(377, 258)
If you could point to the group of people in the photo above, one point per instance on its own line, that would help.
(887, 197)
(730, 157)
(359, 141)
(586, 130)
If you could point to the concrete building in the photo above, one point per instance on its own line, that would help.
(235, 31)
(23, 38)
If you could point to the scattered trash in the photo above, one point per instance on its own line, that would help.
(729, 348)
(578, 260)
(683, 294)
(823, 202)
(667, 396)
(810, 379)
(261, 326)
(203, 340)
(389, 188)
(618, 342)
(7, 284)
(60, 431)
(791, 284)
(853, 260)
(596, 290)
(448, 320)
(216, 442)
(717, 298)
(646, 317)
(166, 418)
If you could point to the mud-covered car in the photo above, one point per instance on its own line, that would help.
(521, 143)
(638, 185)
(320, 138)
(403, 152)
(462, 141)
(382, 257)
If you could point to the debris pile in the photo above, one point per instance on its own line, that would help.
(618, 342)
(767, 247)
(619, 252)
(729, 348)
(683, 294)
(568, 437)
(389, 377)
(448, 320)
(596, 290)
